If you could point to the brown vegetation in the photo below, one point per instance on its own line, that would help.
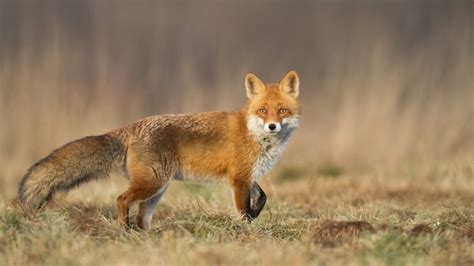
(327, 233)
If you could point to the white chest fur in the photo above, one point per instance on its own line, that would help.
(270, 150)
(271, 145)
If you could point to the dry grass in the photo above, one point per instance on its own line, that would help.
(380, 172)
(196, 223)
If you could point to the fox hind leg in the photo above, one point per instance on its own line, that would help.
(146, 208)
(145, 182)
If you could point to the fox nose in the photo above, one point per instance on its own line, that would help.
(272, 127)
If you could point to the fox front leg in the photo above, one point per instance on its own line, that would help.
(249, 198)
(257, 200)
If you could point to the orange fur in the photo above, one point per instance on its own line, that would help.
(200, 146)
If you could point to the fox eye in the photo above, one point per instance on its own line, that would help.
(283, 111)
(262, 110)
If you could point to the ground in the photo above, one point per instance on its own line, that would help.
(314, 215)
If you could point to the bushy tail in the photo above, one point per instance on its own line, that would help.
(69, 166)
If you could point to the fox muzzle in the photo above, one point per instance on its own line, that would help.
(272, 127)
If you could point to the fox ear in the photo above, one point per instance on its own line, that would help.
(253, 85)
(290, 84)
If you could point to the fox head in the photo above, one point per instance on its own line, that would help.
(273, 108)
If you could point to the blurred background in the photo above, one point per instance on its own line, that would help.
(383, 83)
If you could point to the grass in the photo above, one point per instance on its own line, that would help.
(312, 219)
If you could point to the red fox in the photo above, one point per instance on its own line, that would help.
(238, 146)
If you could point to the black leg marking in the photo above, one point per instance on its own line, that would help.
(257, 200)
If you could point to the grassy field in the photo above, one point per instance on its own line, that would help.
(314, 216)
